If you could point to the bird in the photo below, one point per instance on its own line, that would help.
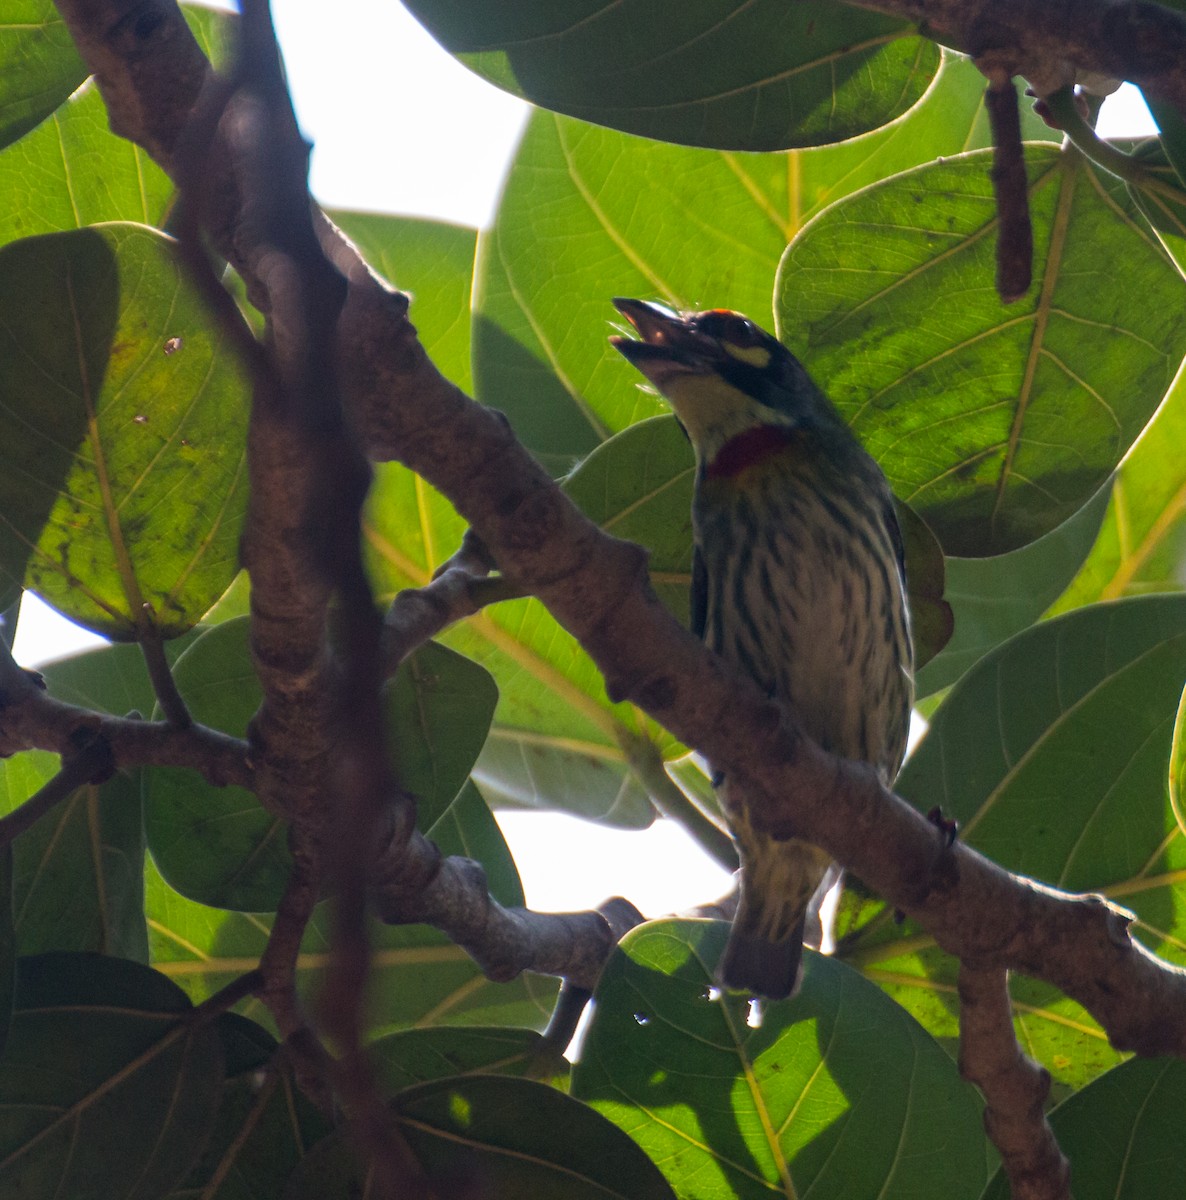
(798, 581)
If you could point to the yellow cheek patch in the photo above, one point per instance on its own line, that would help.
(755, 356)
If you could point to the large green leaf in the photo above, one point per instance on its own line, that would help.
(994, 598)
(402, 1060)
(217, 845)
(1122, 1134)
(264, 1127)
(39, 66)
(588, 214)
(106, 1089)
(72, 171)
(7, 946)
(77, 871)
(838, 1092)
(1052, 753)
(996, 422)
(722, 73)
(1141, 547)
(502, 1139)
(121, 433)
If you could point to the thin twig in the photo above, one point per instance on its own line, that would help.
(669, 798)
(93, 761)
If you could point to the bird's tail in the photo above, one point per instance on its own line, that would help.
(764, 954)
(753, 963)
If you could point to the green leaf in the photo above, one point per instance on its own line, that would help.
(122, 436)
(551, 696)
(72, 171)
(435, 262)
(745, 76)
(79, 870)
(101, 1045)
(1141, 544)
(1122, 1134)
(838, 1092)
(8, 950)
(401, 1060)
(39, 66)
(503, 1139)
(994, 598)
(588, 214)
(218, 846)
(438, 708)
(995, 422)
(1043, 751)
(264, 1126)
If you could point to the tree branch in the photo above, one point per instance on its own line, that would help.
(1014, 1087)
(1059, 42)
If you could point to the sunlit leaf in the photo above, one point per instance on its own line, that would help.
(122, 432)
(745, 76)
(739, 1109)
(551, 697)
(39, 66)
(996, 422)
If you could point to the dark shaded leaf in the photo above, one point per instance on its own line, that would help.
(218, 846)
(99, 1047)
(745, 76)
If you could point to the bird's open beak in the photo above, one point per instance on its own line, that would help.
(667, 343)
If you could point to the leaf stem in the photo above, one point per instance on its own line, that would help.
(669, 798)
(164, 685)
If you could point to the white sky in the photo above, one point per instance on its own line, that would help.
(400, 126)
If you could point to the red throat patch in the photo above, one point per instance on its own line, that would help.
(748, 449)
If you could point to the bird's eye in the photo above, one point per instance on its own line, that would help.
(729, 327)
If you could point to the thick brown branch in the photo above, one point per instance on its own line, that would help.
(1015, 1088)
(31, 719)
(1057, 42)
